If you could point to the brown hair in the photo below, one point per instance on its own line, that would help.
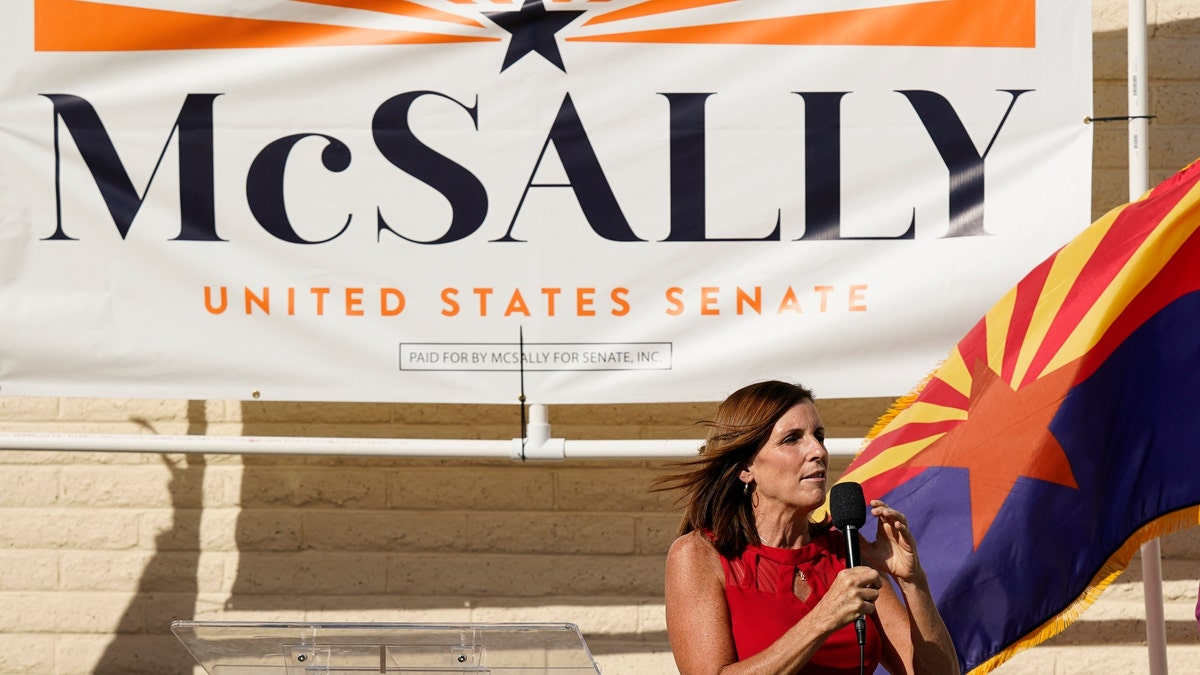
(713, 494)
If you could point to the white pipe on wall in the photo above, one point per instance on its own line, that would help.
(536, 445)
(549, 449)
(257, 445)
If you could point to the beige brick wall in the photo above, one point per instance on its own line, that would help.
(99, 552)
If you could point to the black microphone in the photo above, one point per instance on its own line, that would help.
(849, 511)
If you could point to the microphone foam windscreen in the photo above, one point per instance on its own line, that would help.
(847, 505)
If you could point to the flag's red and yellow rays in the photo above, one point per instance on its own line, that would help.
(1064, 309)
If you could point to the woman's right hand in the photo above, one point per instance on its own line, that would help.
(851, 595)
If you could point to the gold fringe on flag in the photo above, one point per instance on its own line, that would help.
(898, 406)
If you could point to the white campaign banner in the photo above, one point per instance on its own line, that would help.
(598, 201)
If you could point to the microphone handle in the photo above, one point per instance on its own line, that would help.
(853, 559)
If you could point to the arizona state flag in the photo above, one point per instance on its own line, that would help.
(1060, 434)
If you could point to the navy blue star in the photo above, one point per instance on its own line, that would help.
(533, 30)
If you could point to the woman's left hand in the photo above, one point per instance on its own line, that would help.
(894, 548)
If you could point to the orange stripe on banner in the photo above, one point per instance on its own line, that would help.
(71, 25)
(652, 7)
(399, 8)
(945, 23)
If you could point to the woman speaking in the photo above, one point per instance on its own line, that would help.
(754, 586)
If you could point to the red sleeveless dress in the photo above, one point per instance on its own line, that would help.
(763, 604)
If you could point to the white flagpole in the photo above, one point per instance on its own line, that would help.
(1156, 628)
(1139, 182)
(1139, 124)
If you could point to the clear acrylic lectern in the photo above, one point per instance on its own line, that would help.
(248, 648)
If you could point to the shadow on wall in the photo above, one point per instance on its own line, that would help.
(168, 585)
(378, 535)
(382, 539)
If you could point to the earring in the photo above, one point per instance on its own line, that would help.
(746, 488)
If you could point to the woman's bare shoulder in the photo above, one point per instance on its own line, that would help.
(693, 543)
(694, 553)
(696, 609)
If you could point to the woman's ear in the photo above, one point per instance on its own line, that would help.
(746, 476)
